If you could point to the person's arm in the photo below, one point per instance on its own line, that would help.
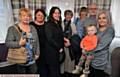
(79, 27)
(80, 30)
(75, 20)
(105, 40)
(12, 38)
(37, 47)
(73, 27)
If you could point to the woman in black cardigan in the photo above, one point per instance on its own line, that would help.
(54, 42)
(39, 24)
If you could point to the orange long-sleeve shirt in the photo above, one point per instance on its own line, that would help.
(89, 42)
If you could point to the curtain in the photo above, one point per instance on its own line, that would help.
(16, 5)
(115, 10)
(62, 4)
(102, 4)
(31, 4)
(6, 18)
(35, 4)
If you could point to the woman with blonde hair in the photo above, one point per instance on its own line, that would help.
(101, 53)
(28, 39)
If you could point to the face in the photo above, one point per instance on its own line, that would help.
(91, 30)
(93, 9)
(24, 17)
(83, 15)
(68, 17)
(56, 15)
(39, 17)
(102, 20)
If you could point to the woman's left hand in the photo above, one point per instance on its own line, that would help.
(67, 42)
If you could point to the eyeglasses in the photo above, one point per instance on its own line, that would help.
(92, 8)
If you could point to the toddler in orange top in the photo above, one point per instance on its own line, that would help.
(88, 43)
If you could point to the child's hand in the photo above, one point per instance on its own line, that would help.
(91, 56)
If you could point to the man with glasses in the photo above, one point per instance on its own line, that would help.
(92, 12)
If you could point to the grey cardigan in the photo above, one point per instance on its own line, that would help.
(13, 38)
(101, 52)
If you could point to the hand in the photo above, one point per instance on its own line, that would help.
(61, 50)
(67, 42)
(36, 57)
(22, 41)
(91, 56)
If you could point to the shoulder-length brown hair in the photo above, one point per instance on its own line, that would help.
(52, 10)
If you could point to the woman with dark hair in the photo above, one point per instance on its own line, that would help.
(54, 42)
(39, 24)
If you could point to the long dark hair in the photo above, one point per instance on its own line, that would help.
(52, 10)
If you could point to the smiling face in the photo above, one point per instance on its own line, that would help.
(102, 20)
(83, 15)
(56, 15)
(24, 15)
(92, 9)
(39, 16)
(68, 14)
(68, 17)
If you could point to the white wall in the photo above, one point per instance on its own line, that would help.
(5, 18)
(115, 10)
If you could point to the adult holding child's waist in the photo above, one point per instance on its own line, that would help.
(101, 52)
